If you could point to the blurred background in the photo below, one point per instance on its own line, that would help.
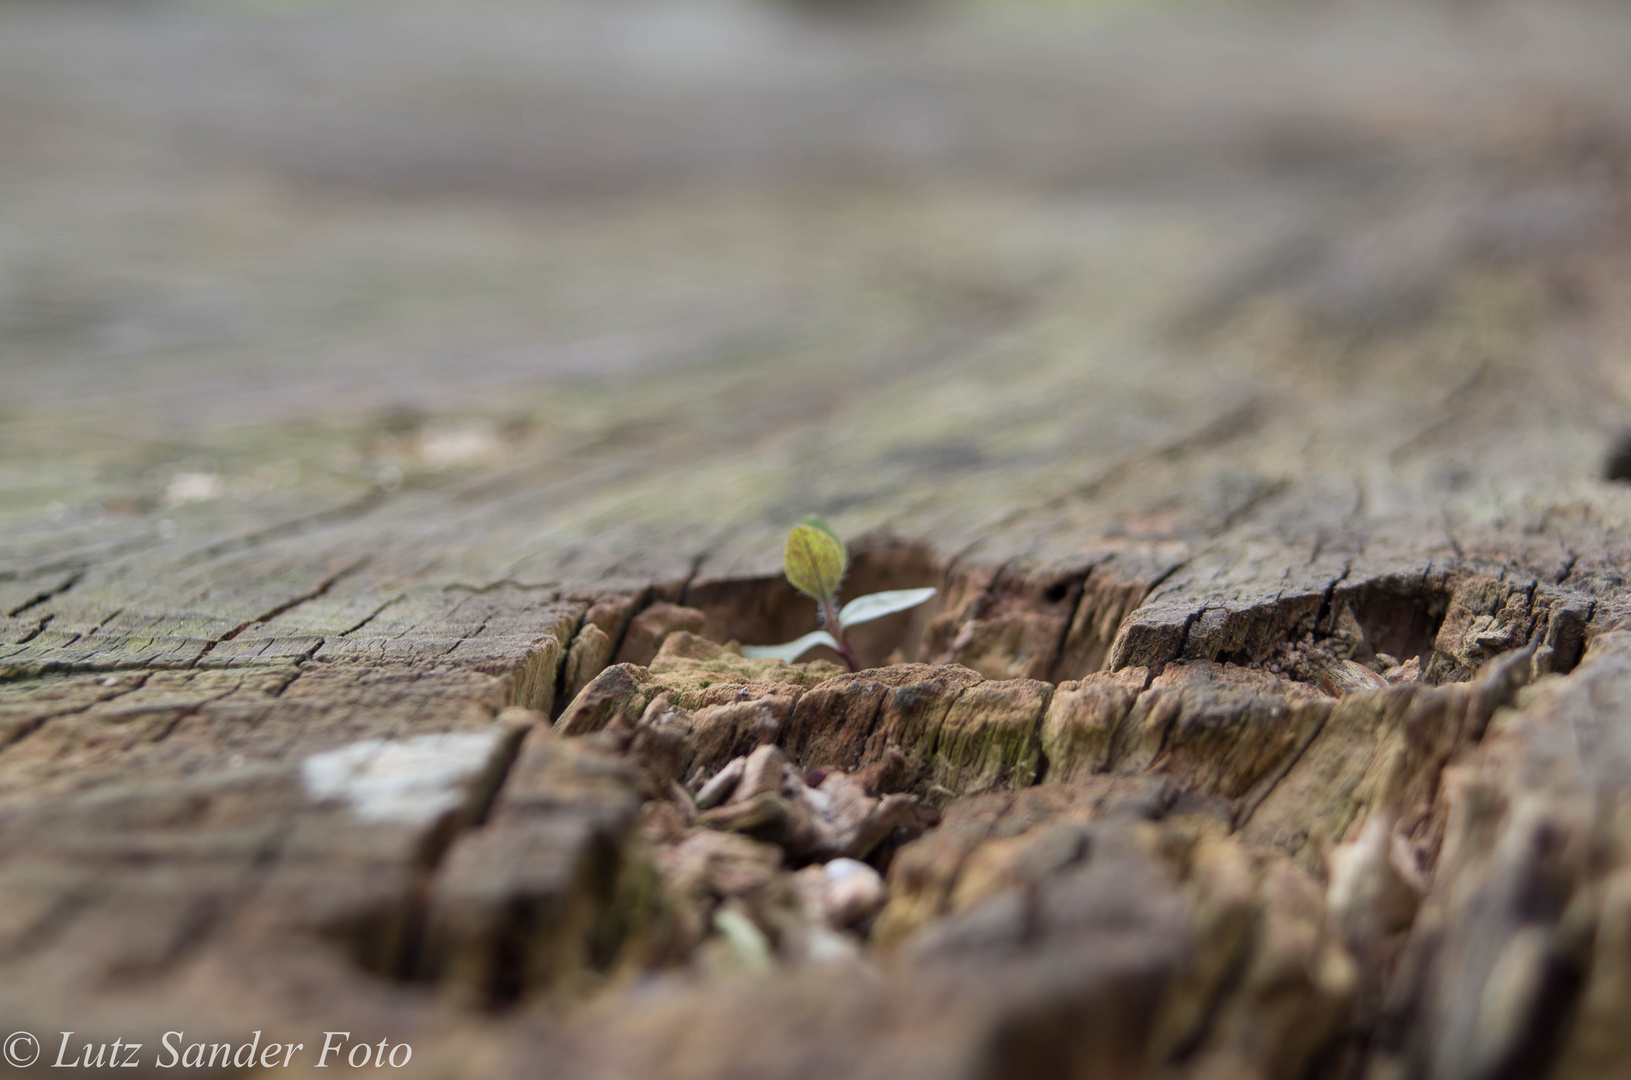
(253, 252)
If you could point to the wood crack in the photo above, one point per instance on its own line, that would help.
(1271, 491)
(1080, 585)
(39, 628)
(1244, 815)
(372, 615)
(28, 727)
(501, 583)
(285, 607)
(1329, 598)
(41, 598)
(357, 508)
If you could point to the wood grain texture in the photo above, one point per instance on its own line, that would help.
(381, 489)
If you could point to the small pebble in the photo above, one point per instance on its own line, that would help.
(855, 892)
(839, 869)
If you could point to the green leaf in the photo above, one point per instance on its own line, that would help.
(830, 531)
(877, 605)
(814, 562)
(793, 649)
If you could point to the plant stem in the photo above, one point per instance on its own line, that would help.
(829, 614)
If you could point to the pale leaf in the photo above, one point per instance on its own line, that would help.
(793, 649)
(877, 605)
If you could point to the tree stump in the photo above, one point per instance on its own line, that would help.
(378, 535)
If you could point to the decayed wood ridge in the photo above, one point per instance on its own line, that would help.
(1273, 718)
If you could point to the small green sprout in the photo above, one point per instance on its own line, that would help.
(815, 561)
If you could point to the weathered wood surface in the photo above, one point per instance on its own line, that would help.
(1244, 383)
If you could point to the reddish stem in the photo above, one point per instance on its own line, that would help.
(829, 614)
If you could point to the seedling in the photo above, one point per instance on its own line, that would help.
(815, 562)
